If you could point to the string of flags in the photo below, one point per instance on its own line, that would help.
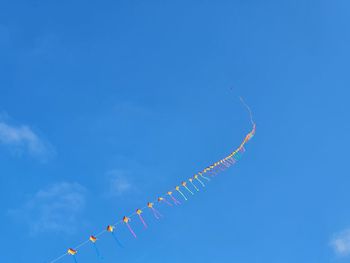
(183, 191)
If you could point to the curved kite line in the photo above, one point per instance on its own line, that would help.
(169, 199)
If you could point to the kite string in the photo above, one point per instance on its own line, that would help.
(120, 221)
(249, 110)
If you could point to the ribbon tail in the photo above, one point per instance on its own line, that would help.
(220, 167)
(97, 251)
(156, 213)
(117, 240)
(204, 177)
(195, 187)
(143, 221)
(176, 202)
(231, 160)
(200, 182)
(182, 195)
(189, 190)
(167, 202)
(75, 259)
(131, 231)
(226, 164)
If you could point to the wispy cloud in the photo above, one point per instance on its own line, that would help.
(22, 138)
(119, 182)
(341, 243)
(54, 209)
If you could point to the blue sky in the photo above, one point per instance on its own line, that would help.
(104, 106)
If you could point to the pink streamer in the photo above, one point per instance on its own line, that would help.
(176, 202)
(143, 221)
(167, 202)
(231, 160)
(131, 231)
(156, 214)
(226, 164)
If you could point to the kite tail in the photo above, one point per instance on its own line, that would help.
(166, 201)
(182, 195)
(97, 251)
(156, 213)
(204, 177)
(188, 190)
(117, 240)
(75, 259)
(220, 167)
(131, 231)
(231, 160)
(215, 170)
(224, 165)
(227, 165)
(236, 156)
(143, 221)
(195, 187)
(176, 202)
(199, 180)
(213, 173)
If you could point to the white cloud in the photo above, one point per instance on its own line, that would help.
(54, 209)
(119, 182)
(22, 138)
(341, 243)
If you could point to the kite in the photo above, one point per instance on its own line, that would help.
(197, 179)
(93, 240)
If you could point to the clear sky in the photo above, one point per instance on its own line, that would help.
(105, 105)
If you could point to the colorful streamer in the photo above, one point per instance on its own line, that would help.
(156, 213)
(195, 187)
(184, 184)
(176, 202)
(163, 199)
(126, 220)
(199, 180)
(206, 174)
(204, 177)
(177, 188)
(139, 212)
